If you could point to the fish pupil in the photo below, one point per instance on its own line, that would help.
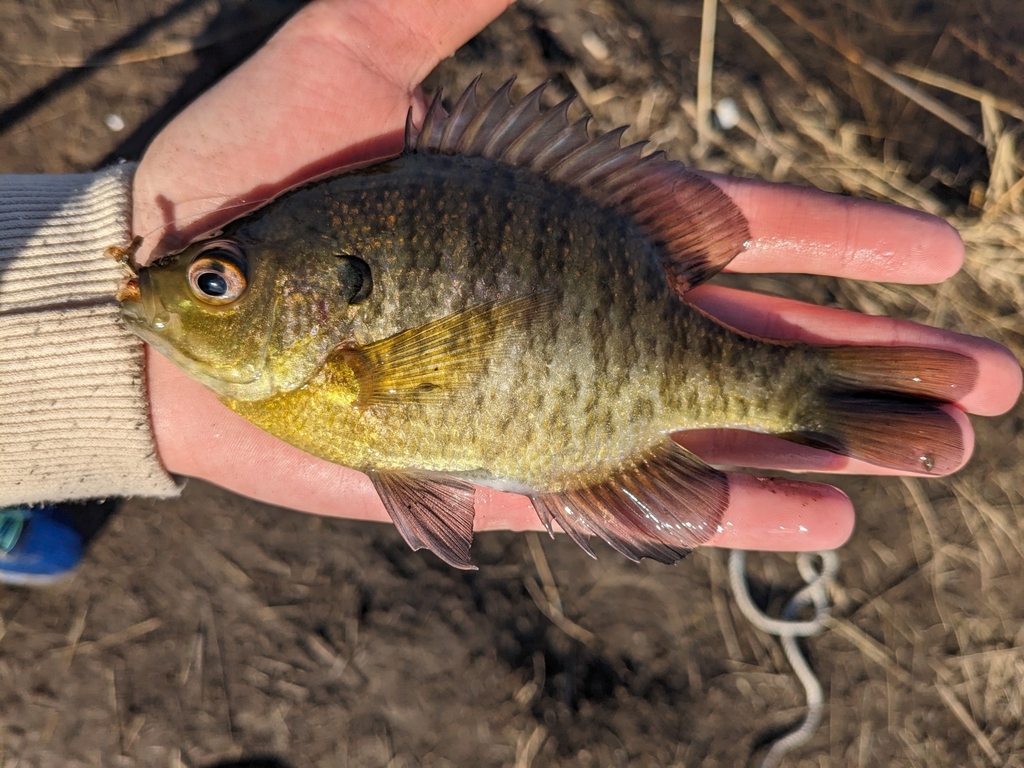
(212, 284)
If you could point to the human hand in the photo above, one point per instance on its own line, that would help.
(332, 88)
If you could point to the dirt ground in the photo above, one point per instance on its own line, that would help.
(212, 630)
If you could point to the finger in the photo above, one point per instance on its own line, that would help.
(798, 229)
(736, 448)
(998, 382)
(199, 437)
(775, 514)
(331, 88)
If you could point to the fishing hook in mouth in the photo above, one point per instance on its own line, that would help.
(126, 256)
(128, 290)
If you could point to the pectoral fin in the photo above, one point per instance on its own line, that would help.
(431, 362)
(660, 507)
(434, 513)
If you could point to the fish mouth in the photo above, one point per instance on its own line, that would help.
(146, 315)
(131, 306)
(141, 306)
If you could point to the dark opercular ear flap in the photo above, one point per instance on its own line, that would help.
(355, 277)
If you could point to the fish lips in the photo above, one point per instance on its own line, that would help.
(147, 311)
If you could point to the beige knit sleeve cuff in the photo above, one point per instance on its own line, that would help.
(74, 419)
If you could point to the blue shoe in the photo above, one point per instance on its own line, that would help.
(37, 546)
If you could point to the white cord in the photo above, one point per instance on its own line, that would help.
(788, 630)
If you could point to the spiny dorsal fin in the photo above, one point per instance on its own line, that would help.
(695, 226)
(661, 507)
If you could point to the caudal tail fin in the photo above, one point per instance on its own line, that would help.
(886, 406)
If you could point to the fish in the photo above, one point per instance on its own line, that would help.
(504, 304)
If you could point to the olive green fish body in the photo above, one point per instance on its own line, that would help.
(616, 362)
(504, 304)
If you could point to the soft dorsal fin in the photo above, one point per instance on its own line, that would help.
(660, 507)
(695, 226)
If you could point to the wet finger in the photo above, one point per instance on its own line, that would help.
(998, 382)
(775, 514)
(799, 229)
(330, 89)
(402, 39)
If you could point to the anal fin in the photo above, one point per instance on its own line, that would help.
(661, 507)
(434, 513)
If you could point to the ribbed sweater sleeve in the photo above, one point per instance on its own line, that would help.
(74, 419)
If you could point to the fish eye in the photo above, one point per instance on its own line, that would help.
(217, 274)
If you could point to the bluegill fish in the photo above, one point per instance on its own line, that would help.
(504, 304)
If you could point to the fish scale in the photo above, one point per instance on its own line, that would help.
(505, 304)
(646, 353)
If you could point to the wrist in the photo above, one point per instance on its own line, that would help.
(73, 415)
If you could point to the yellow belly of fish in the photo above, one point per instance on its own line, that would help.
(524, 441)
